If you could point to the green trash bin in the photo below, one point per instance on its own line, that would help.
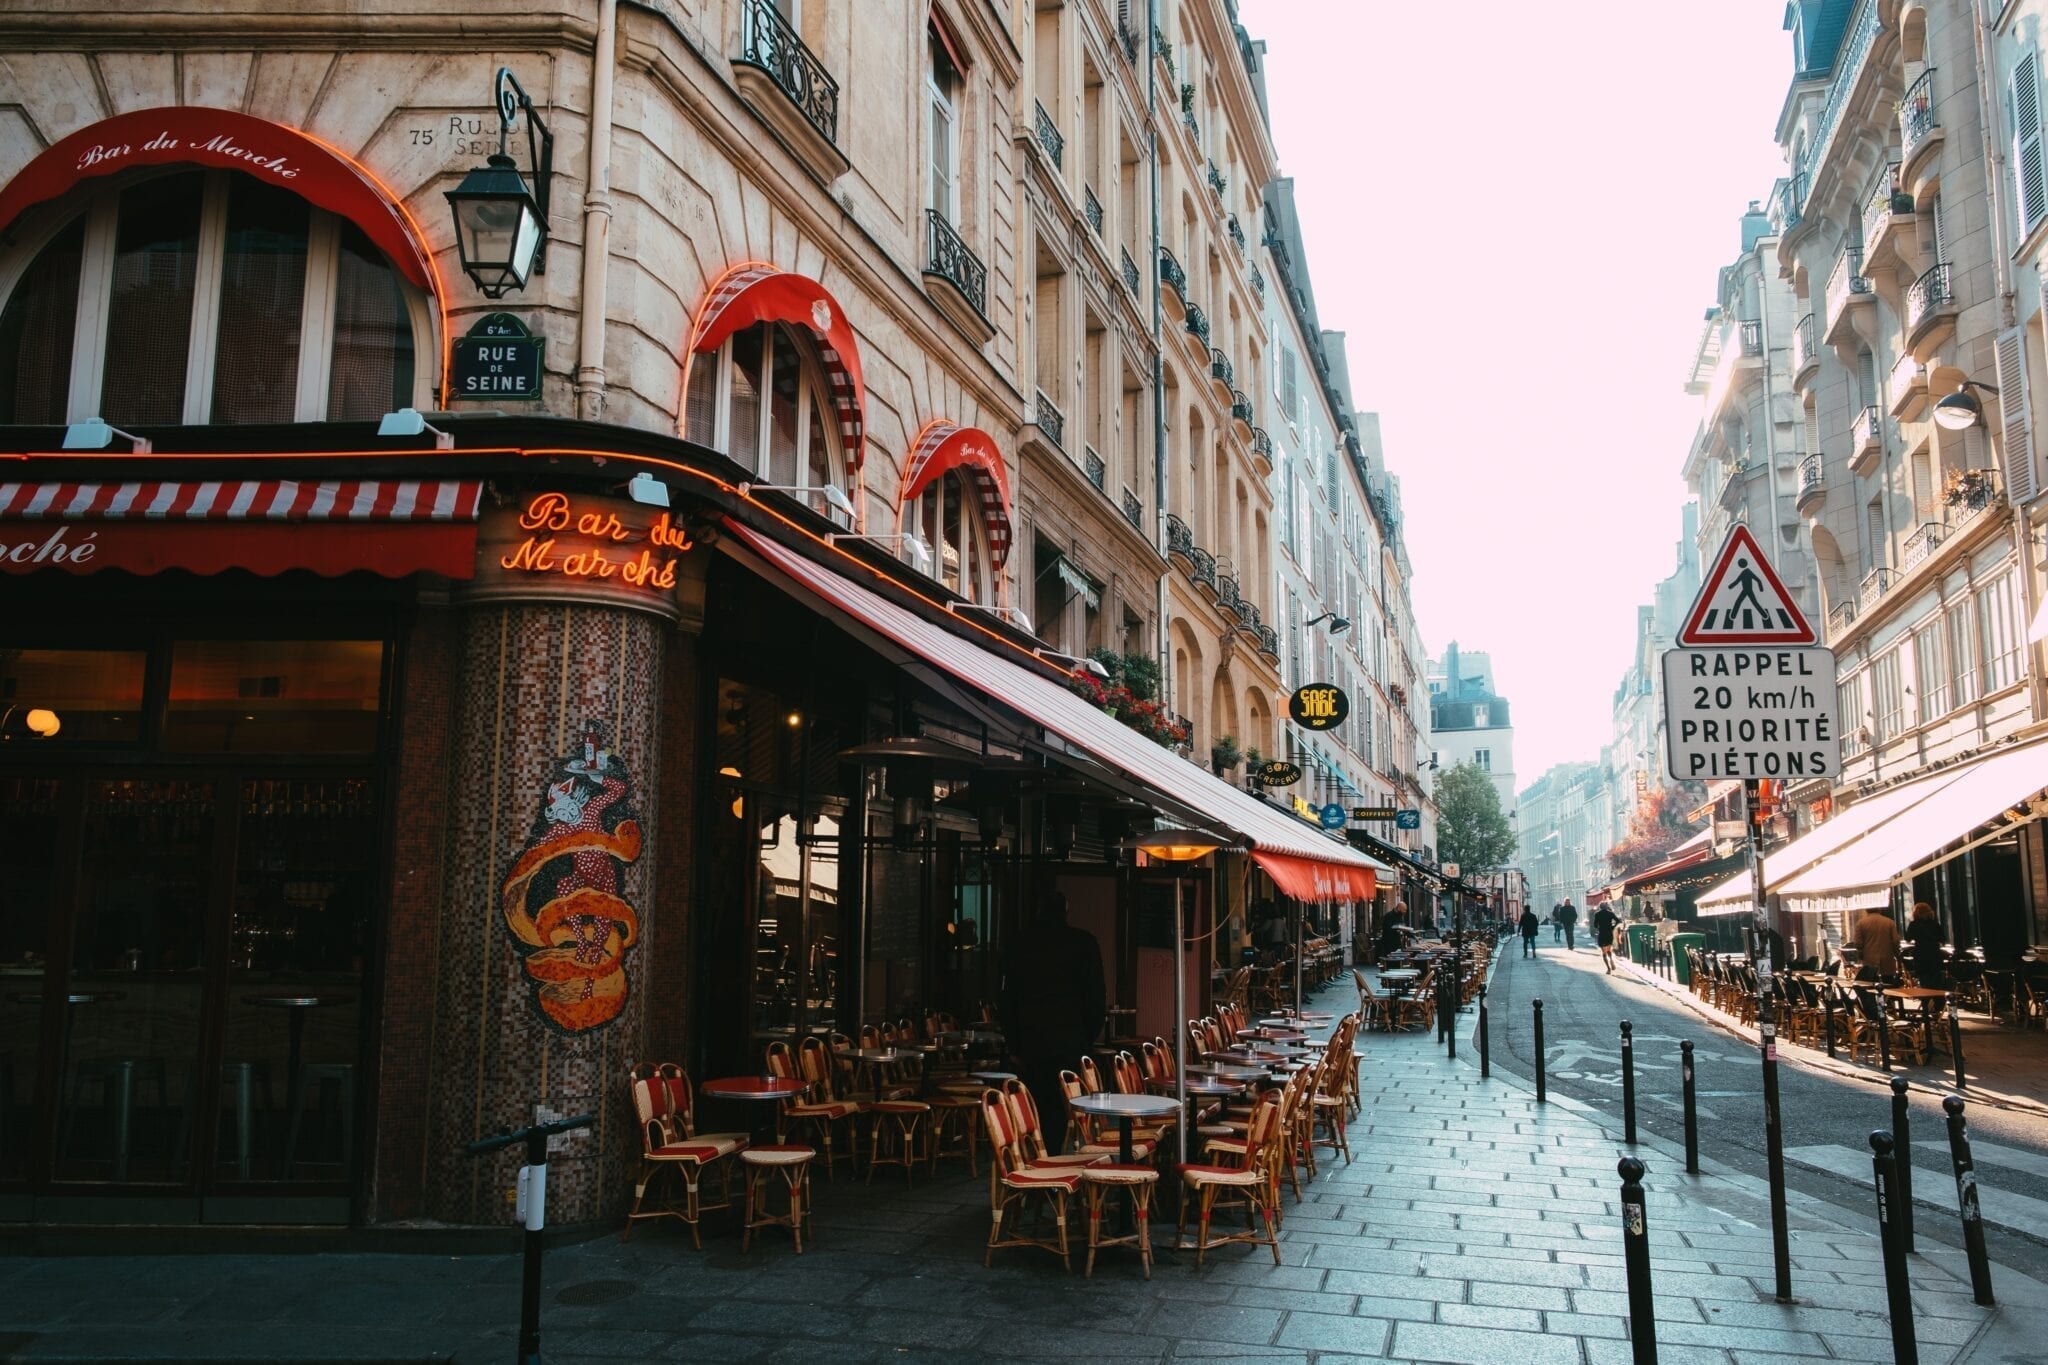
(1679, 961)
(1642, 939)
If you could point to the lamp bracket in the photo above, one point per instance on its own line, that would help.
(540, 147)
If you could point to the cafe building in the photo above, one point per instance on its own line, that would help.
(434, 681)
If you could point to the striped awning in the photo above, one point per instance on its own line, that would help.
(944, 446)
(392, 527)
(753, 292)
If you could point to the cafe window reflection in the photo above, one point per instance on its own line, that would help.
(92, 695)
(274, 696)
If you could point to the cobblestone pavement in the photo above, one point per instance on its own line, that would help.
(1471, 1225)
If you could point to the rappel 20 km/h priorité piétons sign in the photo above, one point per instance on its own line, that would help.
(1750, 713)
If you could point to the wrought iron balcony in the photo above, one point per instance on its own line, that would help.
(1228, 597)
(1970, 491)
(1866, 429)
(767, 42)
(1134, 511)
(1203, 567)
(1240, 407)
(1916, 114)
(1127, 40)
(1221, 368)
(1092, 207)
(1924, 541)
(1098, 472)
(1787, 203)
(1235, 230)
(1258, 284)
(1130, 272)
(1052, 421)
(1269, 641)
(1752, 337)
(1875, 584)
(1049, 137)
(951, 260)
(1171, 275)
(1262, 444)
(1248, 614)
(1805, 344)
(1187, 119)
(1216, 181)
(1847, 276)
(1928, 293)
(1886, 200)
(1812, 481)
(1198, 323)
(1179, 539)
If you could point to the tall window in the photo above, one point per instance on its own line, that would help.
(762, 399)
(1998, 632)
(205, 296)
(1888, 697)
(1484, 758)
(942, 84)
(1930, 671)
(948, 515)
(1962, 654)
(1849, 708)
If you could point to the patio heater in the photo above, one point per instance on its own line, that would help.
(1179, 846)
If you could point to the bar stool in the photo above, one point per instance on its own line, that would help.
(902, 1119)
(1140, 1181)
(117, 1079)
(793, 1161)
(239, 1081)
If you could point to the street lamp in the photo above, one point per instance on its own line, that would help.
(1960, 410)
(1179, 846)
(501, 226)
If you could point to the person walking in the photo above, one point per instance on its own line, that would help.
(1054, 1004)
(1568, 916)
(1604, 922)
(1924, 942)
(1877, 945)
(1529, 924)
(1557, 923)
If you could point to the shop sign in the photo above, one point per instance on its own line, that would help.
(1372, 812)
(498, 359)
(1408, 819)
(1306, 809)
(1331, 816)
(1277, 773)
(1318, 706)
(555, 545)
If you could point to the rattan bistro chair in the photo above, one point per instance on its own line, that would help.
(663, 1100)
(1250, 1179)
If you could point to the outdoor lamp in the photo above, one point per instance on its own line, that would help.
(501, 226)
(647, 490)
(94, 434)
(1338, 624)
(42, 721)
(1960, 410)
(1178, 845)
(411, 422)
(834, 496)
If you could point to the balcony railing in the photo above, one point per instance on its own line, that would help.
(1216, 181)
(1128, 41)
(1228, 596)
(1179, 539)
(1269, 640)
(1240, 407)
(1235, 231)
(1969, 492)
(951, 260)
(1924, 541)
(1929, 292)
(1916, 113)
(1812, 474)
(1258, 284)
(1862, 32)
(1134, 511)
(768, 42)
(1049, 137)
(1221, 368)
(1098, 472)
(1262, 444)
(1786, 204)
(1805, 343)
(1752, 337)
(1866, 429)
(1130, 271)
(1846, 278)
(1204, 570)
(1052, 421)
(1840, 617)
(1092, 207)
(1187, 119)
(1198, 323)
(1249, 614)
(1171, 275)
(1875, 584)
(1884, 201)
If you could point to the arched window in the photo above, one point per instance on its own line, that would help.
(761, 398)
(947, 515)
(205, 296)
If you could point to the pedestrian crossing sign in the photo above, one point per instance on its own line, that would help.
(1743, 602)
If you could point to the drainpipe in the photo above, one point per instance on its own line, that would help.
(1161, 632)
(597, 218)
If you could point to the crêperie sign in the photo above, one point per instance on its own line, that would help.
(1318, 706)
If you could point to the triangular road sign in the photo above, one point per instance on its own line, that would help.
(1743, 602)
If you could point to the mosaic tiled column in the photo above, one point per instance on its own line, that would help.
(542, 990)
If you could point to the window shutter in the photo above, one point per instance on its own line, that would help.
(2026, 135)
(2013, 416)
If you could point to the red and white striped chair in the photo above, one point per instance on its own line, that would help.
(1015, 1179)
(1250, 1178)
(669, 1140)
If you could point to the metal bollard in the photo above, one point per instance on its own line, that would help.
(1774, 1149)
(1538, 1006)
(1827, 1006)
(1453, 989)
(1884, 1035)
(1692, 1110)
(1898, 1292)
(1635, 1246)
(1902, 1150)
(1966, 1199)
(1955, 1043)
(1628, 1083)
(1485, 1050)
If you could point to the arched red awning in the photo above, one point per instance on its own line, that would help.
(755, 292)
(943, 446)
(200, 136)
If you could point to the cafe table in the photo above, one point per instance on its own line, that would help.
(879, 1057)
(753, 1090)
(1926, 1003)
(1125, 1109)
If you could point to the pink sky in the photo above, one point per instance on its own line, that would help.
(1516, 213)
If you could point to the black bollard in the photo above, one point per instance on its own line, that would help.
(1485, 1050)
(1635, 1246)
(1452, 991)
(1902, 1152)
(1955, 1043)
(1884, 1034)
(1827, 1007)
(1774, 1147)
(1538, 1006)
(1966, 1199)
(1898, 1292)
(1692, 1110)
(1628, 1083)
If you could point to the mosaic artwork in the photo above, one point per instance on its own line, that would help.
(561, 899)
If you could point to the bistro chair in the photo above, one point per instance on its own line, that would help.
(1139, 1181)
(1371, 1004)
(1014, 1181)
(1089, 1135)
(669, 1140)
(1329, 1106)
(1030, 1132)
(793, 1163)
(819, 1107)
(894, 1134)
(1249, 1179)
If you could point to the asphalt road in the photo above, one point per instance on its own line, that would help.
(1827, 1118)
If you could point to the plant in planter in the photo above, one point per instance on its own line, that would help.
(1253, 756)
(1224, 754)
(1970, 488)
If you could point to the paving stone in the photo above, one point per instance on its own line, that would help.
(1521, 1295)
(1350, 1335)
(1490, 1315)
(1479, 1346)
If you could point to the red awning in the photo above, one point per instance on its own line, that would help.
(1174, 783)
(942, 446)
(199, 136)
(752, 292)
(1307, 879)
(392, 527)
(1694, 853)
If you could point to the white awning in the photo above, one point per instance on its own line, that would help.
(1977, 793)
(1781, 865)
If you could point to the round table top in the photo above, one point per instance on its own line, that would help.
(1232, 1073)
(1198, 1085)
(1914, 993)
(993, 1077)
(1399, 974)
(1285, 1052)
(752, 1088)
(1284, 1036)
(888, 1054)
(1238, 1056)
(1125, 1106)
(295, 1002)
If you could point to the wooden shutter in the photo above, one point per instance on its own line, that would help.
(2014, 417)
(2026, 135)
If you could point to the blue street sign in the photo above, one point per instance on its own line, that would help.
(1407, 819)
(1333, 816)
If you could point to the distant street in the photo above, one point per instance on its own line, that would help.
(1825, 1115)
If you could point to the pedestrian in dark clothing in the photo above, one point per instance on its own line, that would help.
(1923, 946)
(1557, 924)
(1604, 922)
(1392, 938)
(1053, 1008)
(1529, 924)
(1568, 916)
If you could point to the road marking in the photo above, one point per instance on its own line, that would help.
(2001, 1208)
(1702, 1110)
(1990, 1153)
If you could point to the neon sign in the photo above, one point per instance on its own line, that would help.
(570, 541)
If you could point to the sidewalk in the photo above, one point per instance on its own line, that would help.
(1472, 1225)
